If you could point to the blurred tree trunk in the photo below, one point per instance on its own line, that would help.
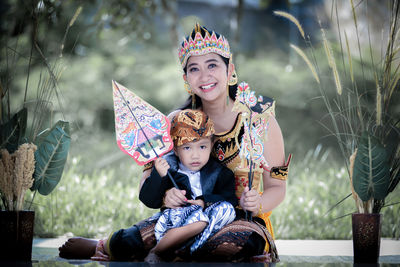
(171, 18)
(239, 17)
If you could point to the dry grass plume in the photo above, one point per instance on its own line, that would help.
(16, 175)
(331, 62)
(6, 179)
(308, 62)
(292, 19)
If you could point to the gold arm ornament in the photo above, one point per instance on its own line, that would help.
(281, 172)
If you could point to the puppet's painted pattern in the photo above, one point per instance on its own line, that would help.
(255, 113)
(141, 130)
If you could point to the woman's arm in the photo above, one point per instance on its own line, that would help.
(274, 189)
(274, 153)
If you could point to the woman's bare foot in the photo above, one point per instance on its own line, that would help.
(78, 248)
(152, 258)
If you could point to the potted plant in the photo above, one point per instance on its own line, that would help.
(31, 156)
(26, 162)
(364, 121)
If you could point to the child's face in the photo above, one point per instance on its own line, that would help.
(194, 155)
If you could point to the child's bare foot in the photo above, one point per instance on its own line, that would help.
(78, 248)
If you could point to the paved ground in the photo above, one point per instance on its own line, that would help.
(291, 252)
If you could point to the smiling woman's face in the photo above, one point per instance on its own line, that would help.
(207, 76)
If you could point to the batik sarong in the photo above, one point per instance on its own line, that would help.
(216, 215)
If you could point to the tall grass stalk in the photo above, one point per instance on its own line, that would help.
(48, 85)
(366, 131)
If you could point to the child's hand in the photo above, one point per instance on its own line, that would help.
(162, 166)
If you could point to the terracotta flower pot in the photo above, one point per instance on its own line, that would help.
(16, 232)
(366, 237)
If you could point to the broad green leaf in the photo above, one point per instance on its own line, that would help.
(13, 131)
(51, 155)
(371, 169)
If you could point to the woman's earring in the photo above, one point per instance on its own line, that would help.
(187, 87)
(189, 90)
(233, 79)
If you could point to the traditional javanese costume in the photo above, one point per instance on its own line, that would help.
(241, 240)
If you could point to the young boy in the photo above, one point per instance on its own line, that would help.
(209, 187)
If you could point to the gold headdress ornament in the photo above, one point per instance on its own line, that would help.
(200, 45)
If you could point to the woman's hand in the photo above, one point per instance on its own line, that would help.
(250, 201)
(199, 202)
(175, 198)
(161, 166)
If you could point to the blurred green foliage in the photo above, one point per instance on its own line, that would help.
(95, 205)
(91, 205)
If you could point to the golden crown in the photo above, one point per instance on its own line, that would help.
(203, 45)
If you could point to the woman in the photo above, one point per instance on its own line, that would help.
(210, 78)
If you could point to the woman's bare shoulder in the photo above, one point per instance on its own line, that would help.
(275, 152)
